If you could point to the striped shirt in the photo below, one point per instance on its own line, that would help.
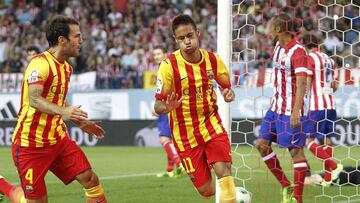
(35, 128)
(288, 62)
(196, 120)
(321, 69)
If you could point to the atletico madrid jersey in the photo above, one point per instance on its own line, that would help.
(36, 128)
(196, 120)
(288, 62)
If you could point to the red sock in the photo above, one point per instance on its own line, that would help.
(329, 150)
(319, 152)
(173, 157)
(272, 162)
(6, 187)
(300, 169)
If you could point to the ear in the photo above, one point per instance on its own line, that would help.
(198, 32)
(61, 39)
(277, 29)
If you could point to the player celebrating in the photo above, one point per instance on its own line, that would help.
(185, 89)
(40, 141)
(159, 53)
(282, 122)
(322, 114)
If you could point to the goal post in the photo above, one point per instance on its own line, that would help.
(224, 50)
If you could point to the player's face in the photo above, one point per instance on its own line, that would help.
(187, 38)
(30, 55)
(158, 55)
(73, 45)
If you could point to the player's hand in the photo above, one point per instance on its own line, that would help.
(295, 119)
(93, 128)
(172, 102)
(74, 113)
(154, 113)
(228, 94)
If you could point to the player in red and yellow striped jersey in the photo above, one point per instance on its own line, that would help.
(40, 140)
(185, 90)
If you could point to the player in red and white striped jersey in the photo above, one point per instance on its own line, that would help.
(322, 114)
(282, 122)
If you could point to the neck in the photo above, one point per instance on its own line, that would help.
(192, 58)
(285, 39)
(56, 52)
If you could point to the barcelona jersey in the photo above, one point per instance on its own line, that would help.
(35, 128)
(196, 120)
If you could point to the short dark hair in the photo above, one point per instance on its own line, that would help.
(33, 48)
(182, 19)
(162, 48)
(58, 26)
(284, 22)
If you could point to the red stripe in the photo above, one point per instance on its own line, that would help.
(322, 78)
(56, 98)
(193, 91)
(293, 89)
(276, 78)
(213, 100)
(49, 118)
(171, 123)
(37, 115)
(179, 110)
(283, 91)
(206, 88)
(213, 62)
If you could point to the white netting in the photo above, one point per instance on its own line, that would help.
(338, 24)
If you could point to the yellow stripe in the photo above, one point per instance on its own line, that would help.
(176, 133)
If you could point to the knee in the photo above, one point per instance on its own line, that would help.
(88, 179)
(206, 193)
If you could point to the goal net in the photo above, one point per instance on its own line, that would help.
(338, 22)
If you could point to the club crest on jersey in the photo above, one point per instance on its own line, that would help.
(33, 76)
(159, 84)
(283, 63)
(210, 74)
(29, 189)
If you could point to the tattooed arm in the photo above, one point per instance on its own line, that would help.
(40, 103)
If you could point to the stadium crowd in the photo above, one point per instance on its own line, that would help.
(120, 35)
(337, 26)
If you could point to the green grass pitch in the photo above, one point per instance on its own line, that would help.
(128, 176)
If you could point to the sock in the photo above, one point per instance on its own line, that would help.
(170, 164)
(321, 153)
(273, 164)
(16, 194)
(227, 190)
(6, 187)
(300, 169)
(95, 195)
(329, 150)
(173, 157)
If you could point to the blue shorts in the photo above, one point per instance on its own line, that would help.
(276, 128)
(163, 126)
(320, 124)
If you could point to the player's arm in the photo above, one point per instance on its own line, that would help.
(335, 82)
(166, 99)
(225, 88)
(223, 79)
(310, 74)
(300, 64)
(40, 103)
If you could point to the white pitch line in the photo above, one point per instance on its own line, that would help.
(347, 201)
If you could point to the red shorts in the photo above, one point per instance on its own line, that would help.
(65, 159)
(197, 161)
